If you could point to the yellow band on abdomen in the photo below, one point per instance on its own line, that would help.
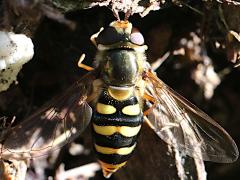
(131, 110)
(123, 130)
(105, 108)
(120, 94)
(119, 151)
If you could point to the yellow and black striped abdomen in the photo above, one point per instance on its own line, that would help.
(116, 125)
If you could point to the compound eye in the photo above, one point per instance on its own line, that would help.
(136, 37)
(108, 36)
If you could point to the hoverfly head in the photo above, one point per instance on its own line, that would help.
(120, 34)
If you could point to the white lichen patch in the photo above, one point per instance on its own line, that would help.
(15, 50)
(206, 77)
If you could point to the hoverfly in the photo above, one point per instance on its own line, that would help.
(112, 97)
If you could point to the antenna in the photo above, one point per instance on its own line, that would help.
(128, 14)
(115, 13)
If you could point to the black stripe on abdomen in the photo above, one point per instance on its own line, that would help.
(113, 158)
(116, 120)
(115, 141)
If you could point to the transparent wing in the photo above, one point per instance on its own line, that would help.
(54, 125)
(185, 127)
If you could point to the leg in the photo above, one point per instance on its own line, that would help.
(155, 65)
(146, 120)
(167, 126)
(152, 100)
(86, 67)
(94, 36)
